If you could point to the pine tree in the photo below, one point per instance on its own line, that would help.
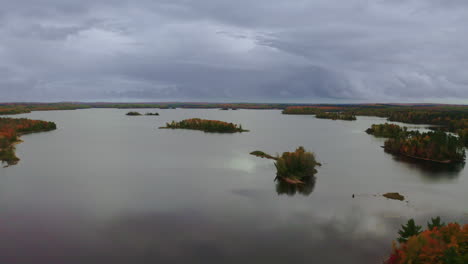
(411, 229)
(435, 222)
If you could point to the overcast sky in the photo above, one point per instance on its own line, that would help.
(258, 50)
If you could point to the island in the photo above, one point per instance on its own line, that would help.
(152, 114)
(133, 114)
(211, 126)
(387, 130)
(394, 196)
(10, 131)
(434, 146)
(293, 167)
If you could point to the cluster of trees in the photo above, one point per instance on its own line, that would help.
(387, 130)
(436, 146)
(433, 146)
(450, 118)
(326, 112)
(296, 165)
(11, 129)
(463, 134)
(336, 116)
(133, 114)
(440, 243)
(206, 125)
(310, 110)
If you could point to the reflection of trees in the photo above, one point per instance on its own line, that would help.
(432, 170)
(305, 188)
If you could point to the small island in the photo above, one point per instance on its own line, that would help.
(394, 196)
(10, 131)
(387, 130)
(211, 126)
(293, 167)
(152, 114)
(133, 114)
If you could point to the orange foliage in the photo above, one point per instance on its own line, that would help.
(433, 246)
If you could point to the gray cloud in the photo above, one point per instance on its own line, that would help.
(386, 50)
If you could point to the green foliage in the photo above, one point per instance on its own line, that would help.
(435, 146)
(435, 222)
(8, 156)
(388, 130)
(408, 230)
(133, 114)
(463, 134)
(213, 126)
(298, 164)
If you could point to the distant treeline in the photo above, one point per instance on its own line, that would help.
(11, 129)
(214, 126)
(450, 118)
(336, 116)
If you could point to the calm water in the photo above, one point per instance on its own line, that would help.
(108, 188)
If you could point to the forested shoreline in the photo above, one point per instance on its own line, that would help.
(10, 131)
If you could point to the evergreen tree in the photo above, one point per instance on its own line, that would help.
(435, 222)
(408, 230)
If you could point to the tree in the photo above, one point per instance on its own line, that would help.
(435, 222)
(408, 230)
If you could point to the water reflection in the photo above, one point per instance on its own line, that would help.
(189, 237)
(431, 170)
(283, 187)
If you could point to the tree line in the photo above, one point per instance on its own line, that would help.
(12, 128)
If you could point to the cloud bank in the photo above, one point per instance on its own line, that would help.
(356, 50)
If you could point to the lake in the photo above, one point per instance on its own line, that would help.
(109, 188)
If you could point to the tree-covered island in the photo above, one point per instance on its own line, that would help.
(293, 167)
(431, 146)
(212, 126)
(133, 113)
(10, 131)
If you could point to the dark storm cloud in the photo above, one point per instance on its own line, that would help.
(383, 50)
